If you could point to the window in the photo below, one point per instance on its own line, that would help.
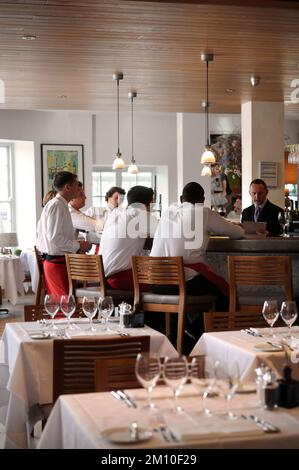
(103, 179)
(7, 221)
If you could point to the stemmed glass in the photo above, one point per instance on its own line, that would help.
(147, 369)
(284, 220)
(52, 303)
(288, 313)
(90, 307)
(175, 374)
(270, 313)
(203, 377)
(68, 307)
(106, 307)
(228, 379)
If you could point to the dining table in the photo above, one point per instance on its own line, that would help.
(101, 421)
(11, 277)
(26, 367)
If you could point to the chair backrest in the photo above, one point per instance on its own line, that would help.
(258, 271)
(37, 312)
(85, 268)
(74, 360)
(115, 374)
(41, 288)
(158, 270)
(229, 321)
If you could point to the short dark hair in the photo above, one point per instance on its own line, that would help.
(259, 181)
(193, 193)
(114, 189)
(80, 185)
(62, 178)
(141, 194)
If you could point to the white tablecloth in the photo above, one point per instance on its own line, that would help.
(227, 346)
(27, 368)
(29, 265)
(77, 422)
(11, 277)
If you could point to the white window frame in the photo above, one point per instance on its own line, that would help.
(11, 178)
(119, 173)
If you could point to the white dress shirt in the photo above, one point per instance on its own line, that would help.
(55, 229)
(124, 236)
(83, 222)
(177, 236)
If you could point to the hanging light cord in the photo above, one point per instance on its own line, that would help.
(132, 159)
(207, 106)
(118, 117)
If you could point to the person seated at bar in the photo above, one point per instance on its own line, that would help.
(184, 231)
(114, 198)
(262, 210)
(81, 221)
(125, 234)
(56, 234)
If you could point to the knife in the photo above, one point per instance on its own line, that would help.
(126, 398)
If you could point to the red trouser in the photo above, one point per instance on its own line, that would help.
(122, 280)
(56, 280)
(211, 276)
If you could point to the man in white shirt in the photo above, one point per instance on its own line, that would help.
(124, 235)
(56, 234)
(81, 221)
(114, 198)
(184, 231)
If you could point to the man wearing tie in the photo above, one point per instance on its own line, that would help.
(262, 210)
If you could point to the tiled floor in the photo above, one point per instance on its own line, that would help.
(16, 313)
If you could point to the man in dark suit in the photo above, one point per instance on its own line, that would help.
(262, 210)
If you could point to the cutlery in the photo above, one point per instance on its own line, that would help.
(116, 395)
(126, 398)
(275, 345)
(270, 427)
(249, 332)
(258, 423)
(255, 332)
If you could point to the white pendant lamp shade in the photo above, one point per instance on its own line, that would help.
(208, 157)
(118, 163)
(133, 168)
(206, 171)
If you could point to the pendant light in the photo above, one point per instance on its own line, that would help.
(133, 168)
(118, 163)
(208, 157)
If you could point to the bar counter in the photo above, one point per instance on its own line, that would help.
(220, 247)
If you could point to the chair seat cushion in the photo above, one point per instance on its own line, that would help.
(174, 299)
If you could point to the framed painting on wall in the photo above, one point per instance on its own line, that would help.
(60, 157)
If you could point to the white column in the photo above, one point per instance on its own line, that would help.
(262, 140)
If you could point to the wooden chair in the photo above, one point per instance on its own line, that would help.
(88, 269)
(115, 374)
(74, 360)
(151, 270)
(229, 321)
(85, 269)
(41, 288)
(37, 312)
(259, 272)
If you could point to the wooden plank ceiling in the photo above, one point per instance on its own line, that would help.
(157, 45)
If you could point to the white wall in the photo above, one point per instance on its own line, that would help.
(154, 144)
(291, 131)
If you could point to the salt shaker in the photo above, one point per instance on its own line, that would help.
(260, 391)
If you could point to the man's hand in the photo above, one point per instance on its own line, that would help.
(84, 246)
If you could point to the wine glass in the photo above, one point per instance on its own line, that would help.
(52, 303)
(289, 313)
(202, 375)
(147, 369)
(90, 307)
(106, 307)
(228, 380)
(270, 313)
(175, 374)
(68, 307)
(284, 219)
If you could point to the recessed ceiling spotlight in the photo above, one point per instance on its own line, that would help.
(62, 97)
(230, 90)
(255, 80)
(29, 37)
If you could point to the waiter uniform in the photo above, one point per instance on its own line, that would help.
(56, 236)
